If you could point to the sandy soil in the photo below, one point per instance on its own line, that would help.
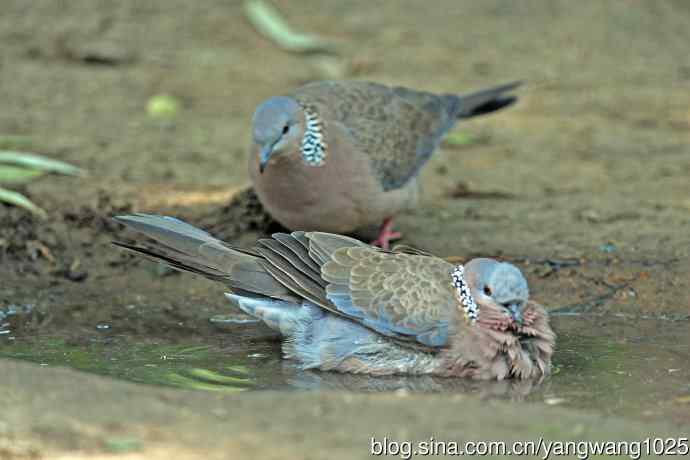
(146, 422)
(583, 184)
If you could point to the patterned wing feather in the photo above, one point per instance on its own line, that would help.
(290, 271)
(281, 244)
(295, 261)
(403, 296)
(397, 128)
(300, 248)
(398, 295)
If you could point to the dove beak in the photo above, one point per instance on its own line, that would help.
(264, 156)
(515, 313)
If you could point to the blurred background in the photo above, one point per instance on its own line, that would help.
(584, 184)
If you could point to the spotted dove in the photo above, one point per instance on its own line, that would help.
(346, 306)
(343, 156)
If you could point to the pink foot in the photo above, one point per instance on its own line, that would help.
(386, 235)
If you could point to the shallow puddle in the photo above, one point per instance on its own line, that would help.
(630, 367)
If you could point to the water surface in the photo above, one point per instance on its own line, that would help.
(612, 365)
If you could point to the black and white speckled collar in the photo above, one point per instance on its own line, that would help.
(314, 148)
(462, 290)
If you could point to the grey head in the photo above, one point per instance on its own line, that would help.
(276, 124)
(499, 284)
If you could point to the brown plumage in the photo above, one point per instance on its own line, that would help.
(344, 305)
(343, 156)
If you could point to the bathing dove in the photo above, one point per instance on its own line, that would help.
(346, 306)
(343, 156)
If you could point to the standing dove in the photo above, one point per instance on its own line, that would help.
(343, 156)
(343, 305)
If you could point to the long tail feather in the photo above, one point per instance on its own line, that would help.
(486, 101)
(187, 248)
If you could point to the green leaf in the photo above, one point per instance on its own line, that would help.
(14, 175)
(269, 22)
(162, 106)
(220, 379)
(14, 141)
(459, 138)
(39, 162)
(122, 445)
(189, 383)
(17, 199)
(238, 369)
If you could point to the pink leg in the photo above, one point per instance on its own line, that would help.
(386, 235)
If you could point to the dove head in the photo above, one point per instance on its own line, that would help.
(277, 128)
(500, 292)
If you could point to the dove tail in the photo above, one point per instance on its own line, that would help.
(186, 248)
(482, 102)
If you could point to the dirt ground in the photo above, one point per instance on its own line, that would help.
(584, 184)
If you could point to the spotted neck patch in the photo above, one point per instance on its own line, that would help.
(314, 148)
(462, 290)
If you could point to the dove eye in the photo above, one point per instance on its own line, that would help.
(286, 128)
(487, 290)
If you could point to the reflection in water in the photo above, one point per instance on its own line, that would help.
(611, 365)
(515, 390)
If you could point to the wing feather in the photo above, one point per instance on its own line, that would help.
(397, 128)
(394, 294)
(404, 296)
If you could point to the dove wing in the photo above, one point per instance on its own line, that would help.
(397, 128)
(398, 295)
(395, 131)
(403, 296)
